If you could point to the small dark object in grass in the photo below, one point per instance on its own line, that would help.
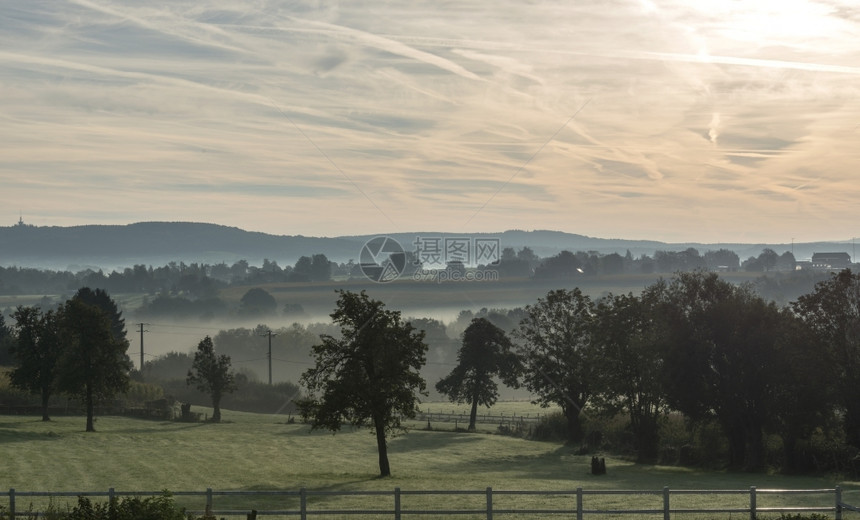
(598, 466)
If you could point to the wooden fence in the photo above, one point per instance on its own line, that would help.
(487, 504)
(463, 418)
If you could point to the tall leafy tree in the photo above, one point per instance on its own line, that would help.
(803, 397)
(832, 314)
(101, 299)
(369, 376)
(556, 352)
(212, 374)
(94, 364)
(7, 339)
(721, 341)
(629, 374)
(36, 353)
(486, 353)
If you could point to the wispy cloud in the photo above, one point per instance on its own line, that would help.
(706, 121)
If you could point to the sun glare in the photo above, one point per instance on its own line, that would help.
(771, 22)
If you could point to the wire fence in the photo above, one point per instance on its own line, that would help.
(484, 504)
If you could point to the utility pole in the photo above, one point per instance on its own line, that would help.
(269, 334)
(141, 344)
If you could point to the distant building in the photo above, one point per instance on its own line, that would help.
(802, 265)
(834, 261)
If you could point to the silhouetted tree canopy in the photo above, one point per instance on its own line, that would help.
(94, 364)
(212, 375)
(36, 353)
(367, 377)
(557, 353)
(832, 313)
(629, 376)
(257, 301)
(486, 353)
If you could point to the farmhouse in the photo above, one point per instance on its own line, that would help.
(831, 261)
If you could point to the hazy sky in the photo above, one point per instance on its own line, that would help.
(710, 120)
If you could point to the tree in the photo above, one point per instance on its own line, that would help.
(302, 271)
(722, 259)
(786, 261)
(768, 259)
(99, 298)
(36, 352)
(563, 265)
(212, 375)
(94, 364)
(832, 314)
(556, 353)
(7, 340)
(721, 341)
(803, 397)
(320, 270)
(510, 265)
(257, 301)
(486, 353)
(367, 377)
(629, 375)
(612, 263)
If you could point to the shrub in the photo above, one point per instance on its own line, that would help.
(802, 516)
(161, 507)
(551, 427)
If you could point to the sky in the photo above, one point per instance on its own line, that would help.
(707, 121)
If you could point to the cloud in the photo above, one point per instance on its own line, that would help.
(714, 128)
(702, 122)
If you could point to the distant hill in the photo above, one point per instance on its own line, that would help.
(157, 243)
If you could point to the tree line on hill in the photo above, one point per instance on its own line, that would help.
(195, 281)
(200, 281)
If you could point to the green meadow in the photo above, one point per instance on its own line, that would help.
(264, 452)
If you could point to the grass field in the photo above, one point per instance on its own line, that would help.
(261, 452)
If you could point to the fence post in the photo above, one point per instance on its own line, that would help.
(303, 503)
(397, 503)
(579, 503)
(489, 503)
(838, 503)
(208, 501)
(11, 503)
(752, 503)
(666, 503)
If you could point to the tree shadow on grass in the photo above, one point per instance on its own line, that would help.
(158, 427)
(422, 440)
(11, 432)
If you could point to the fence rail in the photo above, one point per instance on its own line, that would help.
(463, 417)
(486, 498)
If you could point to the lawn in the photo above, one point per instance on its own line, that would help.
(262, 452)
